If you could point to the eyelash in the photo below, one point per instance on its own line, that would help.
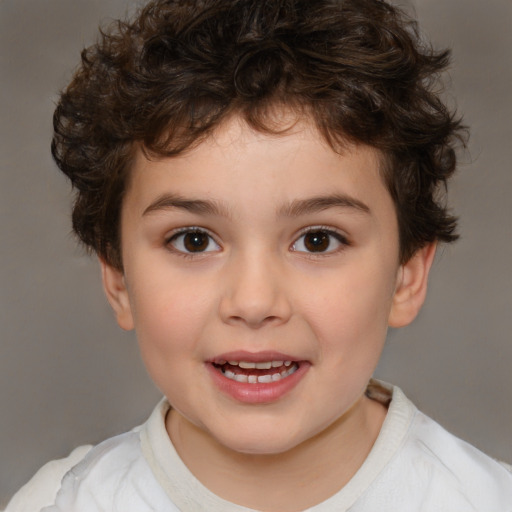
(171, 241)
(329, 234)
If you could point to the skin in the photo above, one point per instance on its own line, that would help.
(256, 286)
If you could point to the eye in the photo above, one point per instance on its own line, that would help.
(193, 241)
(319, 240)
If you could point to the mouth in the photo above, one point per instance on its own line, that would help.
(261, 372)
(260, 378)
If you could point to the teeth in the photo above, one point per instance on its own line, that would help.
(246, 364)
(262, 379)
(291, 370)
(262, 365)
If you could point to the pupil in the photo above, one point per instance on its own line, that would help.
(317, 242)
(195, 242)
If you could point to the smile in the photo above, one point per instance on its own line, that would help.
(257, 378)
(262, 372)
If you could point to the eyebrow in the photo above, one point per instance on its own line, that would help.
(295, 208)
(317, 204)
(198, 206)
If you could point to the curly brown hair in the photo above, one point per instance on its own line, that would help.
(164, 81)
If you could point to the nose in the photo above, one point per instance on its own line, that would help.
(254, 292)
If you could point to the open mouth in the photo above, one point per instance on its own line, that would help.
(261, 372)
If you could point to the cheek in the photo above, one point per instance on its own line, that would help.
(169, 320)
(167, 333)
(350, 317)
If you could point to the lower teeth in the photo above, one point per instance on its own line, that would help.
(260, 379)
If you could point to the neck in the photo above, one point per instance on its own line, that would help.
(294, 480)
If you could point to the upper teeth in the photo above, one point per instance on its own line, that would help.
(263, 379)
(262, 365)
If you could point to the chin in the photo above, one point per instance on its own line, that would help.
(261, 446)
(278, 439)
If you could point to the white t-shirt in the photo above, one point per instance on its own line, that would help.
(414, 466)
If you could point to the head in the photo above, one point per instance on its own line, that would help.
(216, 147)
(166, 81)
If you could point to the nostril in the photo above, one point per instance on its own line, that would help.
(254, 321)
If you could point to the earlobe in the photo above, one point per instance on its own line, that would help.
(411, 287)
(117, 295)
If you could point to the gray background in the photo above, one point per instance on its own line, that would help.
(69, 376)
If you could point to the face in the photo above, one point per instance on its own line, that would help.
(260, 274)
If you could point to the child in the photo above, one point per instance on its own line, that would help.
(260, 182)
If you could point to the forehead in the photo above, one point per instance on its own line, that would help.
(286, 132)
(236, 154)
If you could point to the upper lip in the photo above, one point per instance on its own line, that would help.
(254, 357)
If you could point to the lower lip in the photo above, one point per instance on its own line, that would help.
(257, 393)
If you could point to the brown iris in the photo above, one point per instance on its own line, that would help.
(195, 241)
(316, 241)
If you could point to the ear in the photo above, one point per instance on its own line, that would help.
(411, 287)
(117, 295)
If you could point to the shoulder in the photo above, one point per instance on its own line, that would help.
(424, 467)
(475, 471)
(114, 475)
(451, 470)
(41, 490)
